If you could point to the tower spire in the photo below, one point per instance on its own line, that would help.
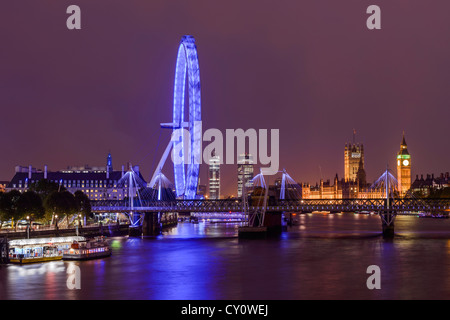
(353, 153)
(109, 166)
(403, 168)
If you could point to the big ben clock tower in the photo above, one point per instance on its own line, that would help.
(403, 168)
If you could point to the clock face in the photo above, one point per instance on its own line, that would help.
(405, 162)
(398, 162)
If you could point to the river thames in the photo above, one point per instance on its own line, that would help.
(323, 257)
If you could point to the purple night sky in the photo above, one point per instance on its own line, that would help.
(309, 68)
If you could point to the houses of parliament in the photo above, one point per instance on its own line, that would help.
(354, 183)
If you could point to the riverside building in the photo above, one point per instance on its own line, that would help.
(98, 183)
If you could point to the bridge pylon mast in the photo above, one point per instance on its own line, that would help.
(256, 215)
(388, 213)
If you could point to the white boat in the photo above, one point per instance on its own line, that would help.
(88, 249)
(24, 251)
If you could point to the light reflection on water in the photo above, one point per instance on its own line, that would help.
(324, 257)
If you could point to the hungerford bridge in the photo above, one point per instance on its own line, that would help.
(260, 211)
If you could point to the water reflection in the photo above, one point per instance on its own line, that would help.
(323, 257)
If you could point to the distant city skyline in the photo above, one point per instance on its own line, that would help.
(233, 191)
(214, 166)
(69, 97)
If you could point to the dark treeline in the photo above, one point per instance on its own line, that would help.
(41, 202)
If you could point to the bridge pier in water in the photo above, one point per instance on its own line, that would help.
(387, 223)
(387, 216)
(272, 225)
(273, 222)
(154, 222)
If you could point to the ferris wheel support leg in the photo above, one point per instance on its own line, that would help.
(161, 164)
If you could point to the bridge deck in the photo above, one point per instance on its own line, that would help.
(305, 205)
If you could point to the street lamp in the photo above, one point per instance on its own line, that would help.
(28, 227)
(78, 221)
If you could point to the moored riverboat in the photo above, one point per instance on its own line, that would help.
(25, 251)
(88, 249)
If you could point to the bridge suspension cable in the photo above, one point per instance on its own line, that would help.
(291, 186)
